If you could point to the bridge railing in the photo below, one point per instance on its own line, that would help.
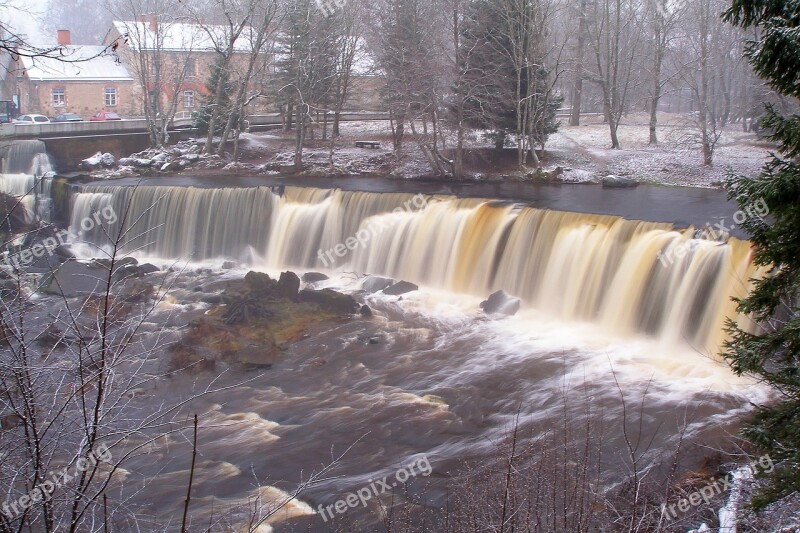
(139, 125)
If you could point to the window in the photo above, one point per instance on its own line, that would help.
(188, 98)
(190, 68)
(59, 97)
(111, 96)
(156, 68)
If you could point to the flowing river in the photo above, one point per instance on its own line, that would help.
(611, 308)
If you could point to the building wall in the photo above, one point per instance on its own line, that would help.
(82, 97)
(365, 94)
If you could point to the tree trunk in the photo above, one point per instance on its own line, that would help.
(302, 111)
(577, 87)
(500, 140)
(335, 129)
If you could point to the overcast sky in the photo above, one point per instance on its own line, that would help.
(26, 18)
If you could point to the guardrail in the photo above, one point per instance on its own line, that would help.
(129, 126)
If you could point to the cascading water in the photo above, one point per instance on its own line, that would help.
(25, 167)
(601, 269)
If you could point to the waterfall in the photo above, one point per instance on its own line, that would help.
(25, 170)
(632, 277)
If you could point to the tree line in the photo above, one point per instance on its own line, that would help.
(449, 68)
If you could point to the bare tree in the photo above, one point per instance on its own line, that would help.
(664, 17)
(708, 42)
(616, 33)
(160, 49)
(263, 14)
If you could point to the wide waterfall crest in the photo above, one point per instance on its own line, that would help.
(602, 269)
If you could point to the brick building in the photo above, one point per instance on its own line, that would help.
(157, 52)
(88, 82)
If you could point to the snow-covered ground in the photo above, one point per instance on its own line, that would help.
(676, 160)
(579, 154)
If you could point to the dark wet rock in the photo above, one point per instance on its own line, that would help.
(618, 182)
(126, 271)
(501, 302)
(376, 284)
(148, 268)
(75, 278)
(288, 286)
(46, 263)
(213, 299)
(8, 289)
(229, 265)
(314, 277)
(331, 301)
(64, 251)
(258, 281)
(365, 311)
(401, 287)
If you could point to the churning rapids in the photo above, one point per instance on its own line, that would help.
(599, 308)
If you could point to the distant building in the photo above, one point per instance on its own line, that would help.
(159, 51)
(84, 80)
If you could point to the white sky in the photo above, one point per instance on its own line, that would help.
(25, 17)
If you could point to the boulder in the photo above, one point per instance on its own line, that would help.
(401, 287)
(228, 265)
(376, 284)
(75, 278)
(171, 166)
(258, 281)
(314, 277)
(618, 182)
(501, 302)
(329, 300)
(108, 160)
(126, 272)
(92, 163)
(365, 311)
(148, 268)
(288, 286)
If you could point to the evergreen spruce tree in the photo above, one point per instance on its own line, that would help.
(202, 117)
(773, 354)
(493, 83)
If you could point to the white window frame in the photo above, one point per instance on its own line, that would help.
(188, 99)
(110, 97)
(59, 95)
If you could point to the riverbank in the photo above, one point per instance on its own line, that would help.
(579, 154)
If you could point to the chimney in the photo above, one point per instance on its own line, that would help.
(153, 23)
(64, 38)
